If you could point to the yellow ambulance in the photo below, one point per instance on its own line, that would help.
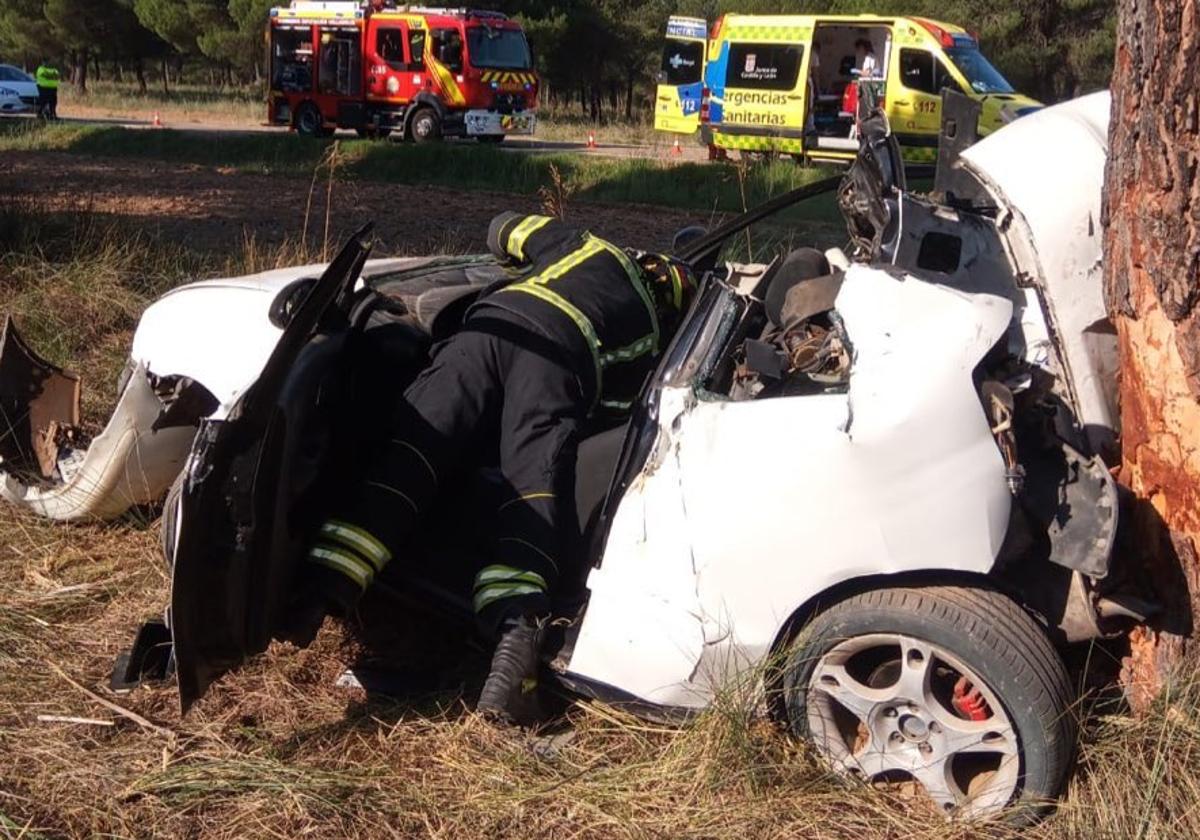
(681, 77)
(787, 83)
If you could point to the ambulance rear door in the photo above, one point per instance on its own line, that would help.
(681, 77)
(766, 65)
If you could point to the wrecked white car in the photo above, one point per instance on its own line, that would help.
(878, 494)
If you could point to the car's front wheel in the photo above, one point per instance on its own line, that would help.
(955, 688)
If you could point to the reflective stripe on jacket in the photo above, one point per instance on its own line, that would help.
(584, 292)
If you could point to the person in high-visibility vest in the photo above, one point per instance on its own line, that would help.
(47, 79)
(574, 332)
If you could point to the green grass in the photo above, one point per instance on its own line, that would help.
(699, 186)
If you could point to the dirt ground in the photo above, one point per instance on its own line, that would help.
(216, 209)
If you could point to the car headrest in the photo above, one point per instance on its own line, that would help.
(800, 265)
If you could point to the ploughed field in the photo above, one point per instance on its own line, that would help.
(215, 208)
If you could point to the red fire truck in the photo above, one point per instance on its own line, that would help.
(380, 68)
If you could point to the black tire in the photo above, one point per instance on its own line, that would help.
(989, 634)
(490, 139)
(425, 126)
(309, 121)
(169, 526)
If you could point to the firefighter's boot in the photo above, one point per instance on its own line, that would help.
(510, 694)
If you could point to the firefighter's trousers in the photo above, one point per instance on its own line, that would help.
(496, 381)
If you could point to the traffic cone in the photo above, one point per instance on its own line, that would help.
(591, 144)
(157, 121)
(675, 150)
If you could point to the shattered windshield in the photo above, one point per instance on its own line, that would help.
(499, 48)
(981, 75)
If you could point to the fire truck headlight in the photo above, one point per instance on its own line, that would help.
(528, 86)
(393, 85)
(495, 86)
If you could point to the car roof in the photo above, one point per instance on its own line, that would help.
(25, 76)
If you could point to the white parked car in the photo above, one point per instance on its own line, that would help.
(874, 488)
(18, 91)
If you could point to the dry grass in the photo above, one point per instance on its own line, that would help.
(278, 751)
(186, 104)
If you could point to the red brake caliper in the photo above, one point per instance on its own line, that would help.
(969, 702)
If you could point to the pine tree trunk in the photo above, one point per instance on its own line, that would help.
(81, 70)
(1152, 282)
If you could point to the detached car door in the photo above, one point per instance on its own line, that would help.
(249, 483)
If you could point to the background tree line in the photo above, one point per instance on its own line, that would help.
(601, 56)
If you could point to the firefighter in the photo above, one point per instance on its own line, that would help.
(573, 332)
(47, 84)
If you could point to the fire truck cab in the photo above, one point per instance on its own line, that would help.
(380, 68)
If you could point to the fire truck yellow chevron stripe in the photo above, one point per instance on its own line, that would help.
(445, 79)
(507, 77)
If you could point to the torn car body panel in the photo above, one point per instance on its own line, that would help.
(697, 543)
(1056, 240)
(195, 352)
(129, 463)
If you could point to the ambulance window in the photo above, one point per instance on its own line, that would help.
(683, 62)
(916, 70)
(416, 49)
(389, 45)
(448, 48)
(920, 70)
(763, 66)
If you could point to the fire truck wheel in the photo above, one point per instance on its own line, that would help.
(309, 121)
(425, 127)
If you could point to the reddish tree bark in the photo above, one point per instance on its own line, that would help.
(1152, 282)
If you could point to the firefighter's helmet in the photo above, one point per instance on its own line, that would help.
(671, 282)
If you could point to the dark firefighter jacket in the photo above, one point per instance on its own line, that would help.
(586, 295)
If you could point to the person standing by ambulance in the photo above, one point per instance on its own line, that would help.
(47, 78)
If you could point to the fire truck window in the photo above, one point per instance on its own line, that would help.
(416, 49)
(504, 49)
(340, 72)
(291, 60)
(389, 45)
(763, 66)
(448, 47)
